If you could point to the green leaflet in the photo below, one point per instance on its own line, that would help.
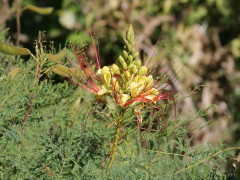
(57, 57)
(13, 50)
(112, 104)
(43, 11)
(61, 70)
(12, 74)
(66, 72)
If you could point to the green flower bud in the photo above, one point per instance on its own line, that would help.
(136, 55)
(143, 71)
(133, 69)
(138, 63)
(125, 54)
(122, 62)
(130, 58)
(124, 65)
(127, 75)
(132, 50)
(121, 59)
(130, 35)
(129, 47)
(115, 69)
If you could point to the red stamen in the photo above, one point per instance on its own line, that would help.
(97, 57)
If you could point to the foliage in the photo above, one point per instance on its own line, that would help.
(203, 36)
(49, 131)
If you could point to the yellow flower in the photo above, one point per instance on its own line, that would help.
(137, 85)
(115, 85)
(102, 91)
(149, 81)
(124, 98)
(106, 74)
(151, 94)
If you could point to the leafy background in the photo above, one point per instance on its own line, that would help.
(202, 37)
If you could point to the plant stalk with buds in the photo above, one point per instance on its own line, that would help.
(127, 84)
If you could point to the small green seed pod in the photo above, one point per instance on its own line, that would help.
(13, 50)
(115, 69)
(138, 63)
(143, 71)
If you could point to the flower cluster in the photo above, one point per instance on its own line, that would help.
(127, 82)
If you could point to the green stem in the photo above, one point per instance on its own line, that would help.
(34, 93)
(115, 143)
(18, 14)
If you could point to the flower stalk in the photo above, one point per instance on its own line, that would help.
(116, 141)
